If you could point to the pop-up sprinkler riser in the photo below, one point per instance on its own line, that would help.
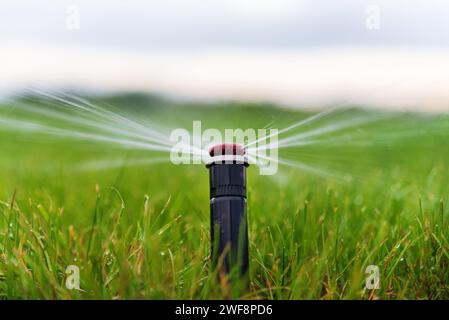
(229, 232)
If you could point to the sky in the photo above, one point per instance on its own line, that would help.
(391, 54)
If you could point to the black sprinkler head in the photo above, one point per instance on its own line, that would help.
(229, 232)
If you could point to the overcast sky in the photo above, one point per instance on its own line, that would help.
(294, 52)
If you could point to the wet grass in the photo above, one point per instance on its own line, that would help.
(142, 232)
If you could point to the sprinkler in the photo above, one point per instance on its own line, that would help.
(229, 232)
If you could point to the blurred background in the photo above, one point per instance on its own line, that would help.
(388, 54)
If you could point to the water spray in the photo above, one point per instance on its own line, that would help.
(229, 231)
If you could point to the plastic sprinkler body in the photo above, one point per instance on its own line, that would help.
(229, 232)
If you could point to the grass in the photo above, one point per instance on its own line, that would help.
(142, 232)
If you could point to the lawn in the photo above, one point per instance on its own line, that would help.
(139, 230)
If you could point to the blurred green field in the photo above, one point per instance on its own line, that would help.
(142, 231)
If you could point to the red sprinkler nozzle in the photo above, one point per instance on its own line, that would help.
(227, 149)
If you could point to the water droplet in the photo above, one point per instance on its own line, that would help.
(358, 200)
